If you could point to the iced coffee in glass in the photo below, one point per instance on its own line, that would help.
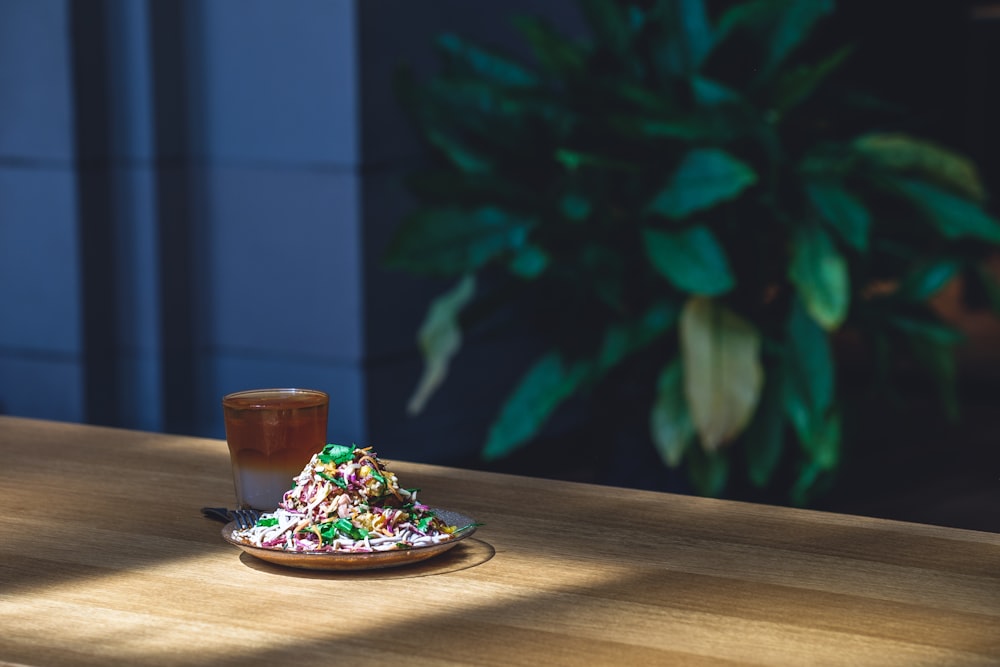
(272, 434)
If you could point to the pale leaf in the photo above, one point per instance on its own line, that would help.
(723, 376)
(440, 338)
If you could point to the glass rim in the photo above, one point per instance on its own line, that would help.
(277, 392)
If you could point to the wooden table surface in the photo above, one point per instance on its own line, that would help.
(561, 573)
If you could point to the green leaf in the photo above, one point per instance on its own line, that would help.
(559, 56)
(680, 126)
(529, 261)
(797, 85)
(687, 40)
(928, 279)
(780, 25)
(953, 216)
(608, 24)
(810, 382)
(708, 92)
(438, 131)
(691, 259)
(765, 436)
(821, 446)
(723, 376)
(540, 391)
(484, 63)
(461, 156)
(819, 272)
(933, 332)
(708, 471)
(903, 153)
(812, 480)
(810, 379)
(575, 207)
(669, 422)
(704, 178)
(573, 160)
(809, 398)
(842, 210)
(453, 241)
(823, 443)
(622, 340)
(440, 338)
(939, 360)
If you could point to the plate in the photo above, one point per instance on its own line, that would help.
(326, 560)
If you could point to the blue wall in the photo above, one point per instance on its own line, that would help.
(194, 199)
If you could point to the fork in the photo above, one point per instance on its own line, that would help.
(244, 518)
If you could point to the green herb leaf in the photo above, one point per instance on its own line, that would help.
(691, 259)
(723, 376)
(347, 528)
(337, 454)
(819, 272)
(704, 178)
(267, 521)
(440, 338)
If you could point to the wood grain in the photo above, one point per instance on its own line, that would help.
(561, 574)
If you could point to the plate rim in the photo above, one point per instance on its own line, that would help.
(354, 560)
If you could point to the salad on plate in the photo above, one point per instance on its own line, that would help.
(347, 501)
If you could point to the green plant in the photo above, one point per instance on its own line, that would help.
(689, 193)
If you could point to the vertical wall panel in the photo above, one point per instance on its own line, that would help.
(40, 334)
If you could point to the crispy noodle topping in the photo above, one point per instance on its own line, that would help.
(345, 500)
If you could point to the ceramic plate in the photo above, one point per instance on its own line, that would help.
(324, 560)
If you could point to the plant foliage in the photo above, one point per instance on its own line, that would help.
(687, 190)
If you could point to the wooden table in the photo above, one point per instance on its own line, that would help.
(561, 573)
